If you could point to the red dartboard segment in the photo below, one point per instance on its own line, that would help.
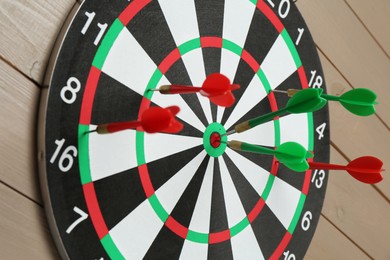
(264, 8)
(132, 10)
(176, 227)
(145, 180)
(210, 42)
(90, 90)
(302, 77)
(169, 61)
(250, 60)
(145, 104)
(272, 99)
(94, 210)
(282, 246)
(219, 237)
(306, 184)
(256, 210)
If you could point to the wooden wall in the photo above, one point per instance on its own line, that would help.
(353, 39)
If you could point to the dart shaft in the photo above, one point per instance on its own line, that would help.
(178, 89)
(290, 92)
(116, 127)
(325, 166)
(265, 118)
(330, 97)
(246, 125)
(242, 146)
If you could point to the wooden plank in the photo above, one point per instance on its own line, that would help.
(18, 112)
(375, 15)
(24, 231)
(350, 47)
(356, 136)
(329, 243)
(28, 30)
(358, 211)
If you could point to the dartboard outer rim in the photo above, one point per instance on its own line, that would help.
(42, 126)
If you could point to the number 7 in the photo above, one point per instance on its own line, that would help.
(83, 216)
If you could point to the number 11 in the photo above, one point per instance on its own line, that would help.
(102, 27)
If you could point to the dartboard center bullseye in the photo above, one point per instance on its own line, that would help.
(214, 140)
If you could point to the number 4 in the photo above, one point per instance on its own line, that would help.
(83, 216)
(320, 130)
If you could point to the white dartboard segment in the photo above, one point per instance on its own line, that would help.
(128, 63)
(171, 191)
(184, 28)
(263, 135)
(244, 244)
(118, 155)
(143, 224)
(157, 146)
(200, 221)
(254, 93)
(140, 227)
(237, 20)
(279, 63)
(283, 201)
(299, 135)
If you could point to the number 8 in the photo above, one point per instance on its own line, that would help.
(73, 90)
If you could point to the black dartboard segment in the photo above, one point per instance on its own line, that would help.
(133, 195)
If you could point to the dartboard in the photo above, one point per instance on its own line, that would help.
(134, 195)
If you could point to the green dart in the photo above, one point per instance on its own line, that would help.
(291, 154)
(307, 100)
(359, 101)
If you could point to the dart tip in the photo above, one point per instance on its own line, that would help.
(229, 133)
(90, 131)
(234, 87)
(279, 91)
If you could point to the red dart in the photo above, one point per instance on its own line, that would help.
(157, 119)
(153, 120)
(366, 169)
(216, 87)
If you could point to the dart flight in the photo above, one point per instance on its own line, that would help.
(217, 88)
(153, 120)
(366, 169)
(304, 101)
(291, 154)
(359, 101)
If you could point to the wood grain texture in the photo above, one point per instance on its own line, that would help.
(374, 14)
(350, 47)
(358, 211)
(355, 136)
(18, 113)
(24, 231)
(355, 221)
(329, 243)
(28, 31)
